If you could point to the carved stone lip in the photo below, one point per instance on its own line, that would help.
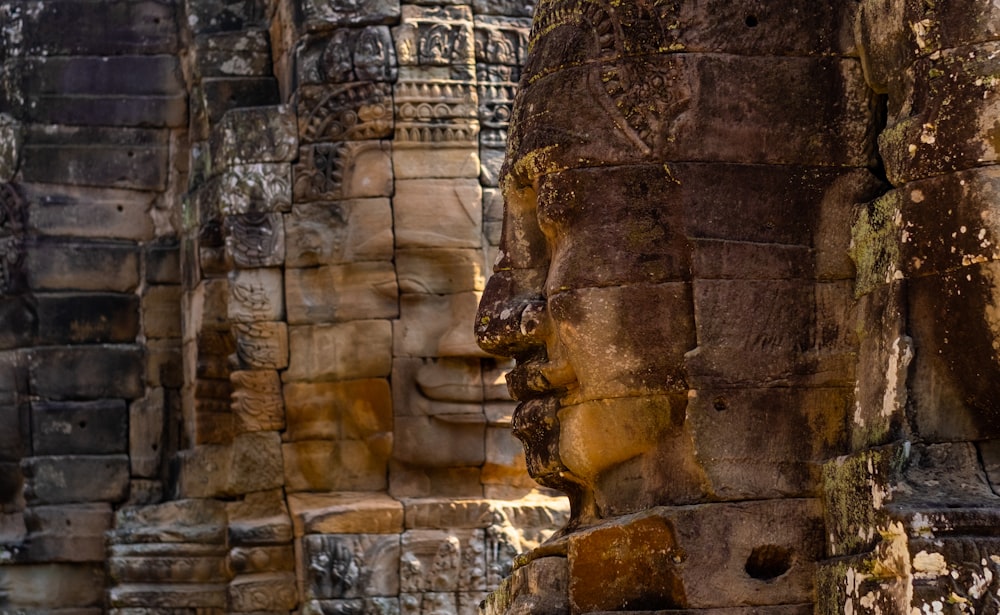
(534, 378)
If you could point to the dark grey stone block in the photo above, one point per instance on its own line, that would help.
(88, 427)
(79, 318)
(86, 372)
(66, 479)
(57, 264)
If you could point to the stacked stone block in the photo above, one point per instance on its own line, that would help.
(94, 104)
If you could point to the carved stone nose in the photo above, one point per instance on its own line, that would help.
(512, 317)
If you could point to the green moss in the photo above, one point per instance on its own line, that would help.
(875, 239)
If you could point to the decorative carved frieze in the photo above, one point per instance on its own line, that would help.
(348, 55)
(256, 400)
(333, 171)
(435, 36)
(348, 112)
(255, 239)
(350, 565)
(262, 345)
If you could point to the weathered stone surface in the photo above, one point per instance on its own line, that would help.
(349, 566)
(263, 592)
(255, 239)
(338, 233)
(50, 587)
(256, 295)
(131, 158)
(345, 513)
(218, 95)
(337, 465)
(254, 134)
(443, 560)
(421, 333)
(324, 14)
(431, 160)
(67, 27)
(248, 560)
(146, 421)
(409, 481)
(251, 463)
(754, 566)
(541, 586)
(10, 151)
(94, 372)
(348, 55)
(337, 293)
(89, 212)
(161, 315)
(440, 213)
(332, 171)
(347, 112)
(255, 188)
(163, 263)
(356, 349)
(169, 596)
(441, 271)
(180, 521)
(125, 90)
(347, 410)
(260, 518)
(243, 53)
(440, 441)
(262, 345)
(69, 533)
(82, 266)
(257, 401)
(86, 318)
(81, 428)
(66, 479)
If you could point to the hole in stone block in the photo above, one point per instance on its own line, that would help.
(768, 562)
(720, 403)
(82, 424)
(751, 21)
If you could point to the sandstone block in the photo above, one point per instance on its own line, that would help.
(10, 151)
(356, 349)
(161, 307)
(172, 596)
(67, 27)
(86, 318)
(422, 332)
(89, 212)
(348, 170)
(241, 53)
(250, 560)
(79, 428)
(257, 401)
(18, 322)
(198, 521)
(272, 591)
(49, 587)
(362, 54)
(412, 481)
(255, 239)
(350, 566)
(752, 564)
(253, 462)
(160, 566)
(441, 271)
(68, 533)
(260, 518)
(422, 161)
(164, 366)
(811, 428)
(255, 134)
(345, 112)
(262, 345)
(341, 292)
(86, 266)
(505, 464)
(106, 371)
(345, 513)
(440, 441)
(130, 158)
(163, 263)
(67, 479)
(337, 465)
(256, 295)
(442, 560)
(541, 586)
(89, 90)
(780, 116)
(351, 409)
(426, 387)
(379, 605)
(438, 213)
(339, 233)
(146, 420)
(324, 15)
(261, 187)
(220, 94)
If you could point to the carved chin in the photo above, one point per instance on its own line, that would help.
(627, 428)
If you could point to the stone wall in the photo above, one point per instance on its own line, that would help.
(243, 243)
